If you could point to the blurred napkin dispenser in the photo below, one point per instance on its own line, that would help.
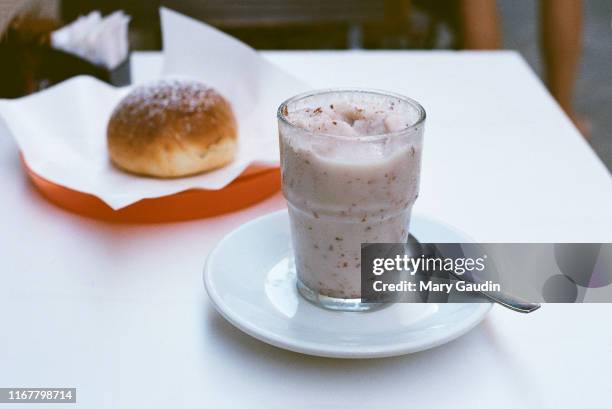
(89, 46)
(57, 66)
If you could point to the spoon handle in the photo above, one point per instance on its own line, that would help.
(509, 301)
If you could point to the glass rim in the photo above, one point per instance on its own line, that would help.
(422, 115)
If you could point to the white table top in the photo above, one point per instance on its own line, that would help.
(119, 311)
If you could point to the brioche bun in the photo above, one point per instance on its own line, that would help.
(172, 128)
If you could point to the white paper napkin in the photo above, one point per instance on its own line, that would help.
(62, 131)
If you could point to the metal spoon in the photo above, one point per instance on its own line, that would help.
(507, 300)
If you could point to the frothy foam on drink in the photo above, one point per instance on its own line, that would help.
(352, 118)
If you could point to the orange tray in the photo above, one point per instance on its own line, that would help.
(251, 187)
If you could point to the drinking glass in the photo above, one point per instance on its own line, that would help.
(344, 191)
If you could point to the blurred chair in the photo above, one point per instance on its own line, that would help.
(301, 24)
(271, 24)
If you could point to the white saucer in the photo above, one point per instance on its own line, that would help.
(247, 279)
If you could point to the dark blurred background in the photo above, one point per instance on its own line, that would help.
(567, 42)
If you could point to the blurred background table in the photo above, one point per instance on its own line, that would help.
(120, 312)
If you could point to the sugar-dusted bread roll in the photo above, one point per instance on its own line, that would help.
(172, 128)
